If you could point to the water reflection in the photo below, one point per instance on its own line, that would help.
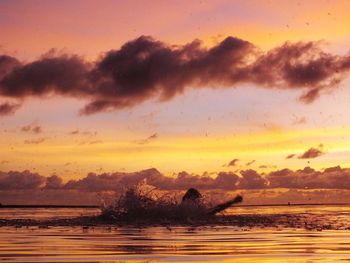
(101, 244)
(181, 244)
(46, 213)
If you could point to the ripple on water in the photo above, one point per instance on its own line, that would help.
(299, 242)
(179, 245)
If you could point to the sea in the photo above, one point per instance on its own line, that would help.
(177, 244)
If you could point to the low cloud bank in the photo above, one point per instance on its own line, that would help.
(307, 178)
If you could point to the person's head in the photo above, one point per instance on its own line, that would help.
(192, 194)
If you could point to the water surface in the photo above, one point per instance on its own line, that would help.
(180, 244)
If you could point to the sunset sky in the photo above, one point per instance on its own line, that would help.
(107, 86)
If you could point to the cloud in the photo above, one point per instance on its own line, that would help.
(148, 139)
(75, 132)
(225, 181)
(116, 181)
(266, 166)
(233, 162)
(8, 108)
(79, 132)
(89, 142)
(290, 156)
(62, 75)
(307, 178)
(313, 152)
(183, 180)
(7, 65)
(250, 163)
(32, 128)
(299, 120)
(330, 178)
(251, 180)
(96, 142)
(54, 182)
(145, 68)
(20, 180)
(35, 141)
(281, 186)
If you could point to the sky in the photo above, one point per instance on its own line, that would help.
(201, 87)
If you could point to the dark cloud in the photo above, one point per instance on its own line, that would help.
(225, 181)
(307, 178)
(313, 152)
(20, 180)
(7, 65)
(63, 75)
(32, 128)
(233, 162)
(251, 180)
(108, 182)
(54, 182)
(330, 178)
(145, 68)
(301, 65)
(282, 179)
(8, 108)
(290, 156)
(184, 180)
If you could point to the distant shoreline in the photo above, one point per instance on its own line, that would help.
(97, 206)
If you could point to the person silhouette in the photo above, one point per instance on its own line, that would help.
(194, 196)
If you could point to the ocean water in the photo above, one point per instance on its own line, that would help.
(46, 213)
(178, 244)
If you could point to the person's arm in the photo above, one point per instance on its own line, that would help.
(223, 206)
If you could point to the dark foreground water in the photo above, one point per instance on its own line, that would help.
(178, 244)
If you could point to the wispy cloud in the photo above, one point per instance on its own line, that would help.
(32, 128)
(87, 133)
(290, 156)
(148, 139)
(233, 162)
(35, 141)
(250, 163)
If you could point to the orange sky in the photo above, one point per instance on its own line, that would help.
(200, 130)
